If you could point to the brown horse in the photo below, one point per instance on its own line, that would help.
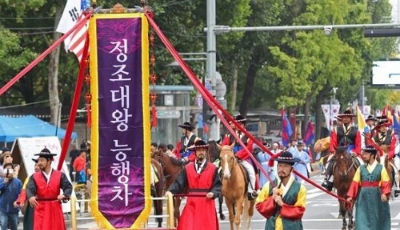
(213, 156)
(343, 172)
(158, 191)
(234, 189)
(171, 168)
(388, 164)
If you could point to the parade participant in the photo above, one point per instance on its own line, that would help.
(370, 124)
(292, 146)
(273, 165)
(371, 188)
(244, 157)
(346, 135)
(43, 192)
(188, 139)
(10, 188)
(384, 137)
(228, 138)
(26, 209)
(263, 158)
(386, 140)
(304, 159)
(284, 204)
(203, 184)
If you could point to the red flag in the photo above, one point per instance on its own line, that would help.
(309, 135)
(286, 129)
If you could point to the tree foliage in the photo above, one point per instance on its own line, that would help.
(275, 68)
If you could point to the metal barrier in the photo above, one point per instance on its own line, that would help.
(169, 216)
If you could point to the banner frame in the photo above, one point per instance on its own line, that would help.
(99, 217)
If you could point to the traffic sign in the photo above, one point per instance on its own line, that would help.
(168, 114)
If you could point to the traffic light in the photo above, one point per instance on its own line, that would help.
(382, 32)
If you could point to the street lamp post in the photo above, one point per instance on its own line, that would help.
(334, 89)
(212, 61)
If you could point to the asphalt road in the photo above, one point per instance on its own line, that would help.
(321, 212)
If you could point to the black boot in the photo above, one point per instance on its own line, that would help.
(327, 184)
(252, 195)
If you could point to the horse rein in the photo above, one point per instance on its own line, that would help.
(233, 165)
(352, 164)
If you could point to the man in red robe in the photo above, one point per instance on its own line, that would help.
(203, 185)
(43, 192)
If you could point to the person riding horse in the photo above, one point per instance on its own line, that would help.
(384, 137)
(347, 135)
(369, 130)
(187, 140)
(244, 157)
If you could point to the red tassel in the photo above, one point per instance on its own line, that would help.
(271, 162)
(89, 116)
(154, 116)
(272, 159)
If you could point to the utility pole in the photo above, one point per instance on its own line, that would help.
(212, 62)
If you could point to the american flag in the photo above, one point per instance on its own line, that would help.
(73, 13)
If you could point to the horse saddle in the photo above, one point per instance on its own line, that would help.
(246, 177)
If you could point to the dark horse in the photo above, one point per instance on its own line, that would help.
(171, 168)
(158, 190)
(343, 172)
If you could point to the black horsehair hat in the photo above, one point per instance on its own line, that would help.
(347, 113)
(240, 119)
(370, 118)
(300, 142)
(382, 121)
(199, 144)
(287, 157)
(35, 160)
(186, 125)
(46, 153)
(370, 149)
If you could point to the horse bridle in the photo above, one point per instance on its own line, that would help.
(233, 165)
(352, 165)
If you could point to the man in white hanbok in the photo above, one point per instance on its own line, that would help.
(301, 166)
